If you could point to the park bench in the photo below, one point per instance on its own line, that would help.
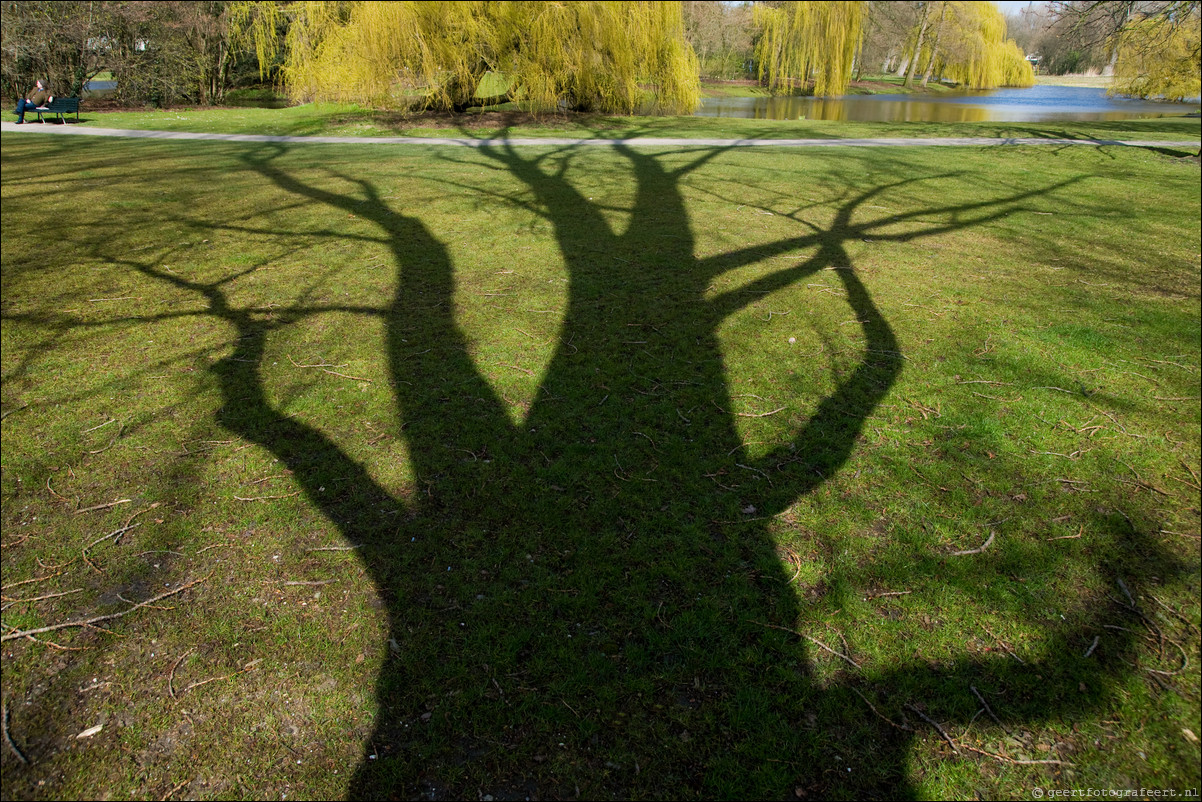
(59, 106)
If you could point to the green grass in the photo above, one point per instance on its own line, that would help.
(868, 85)
(1095, 81)
(338, 120)
(605, 428)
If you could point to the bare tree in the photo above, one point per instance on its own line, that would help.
(59, 42)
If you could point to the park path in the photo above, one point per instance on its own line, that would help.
(658, 142)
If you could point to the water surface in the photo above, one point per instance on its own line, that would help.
(1037, 104)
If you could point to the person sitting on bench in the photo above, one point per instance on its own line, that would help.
(34, 98)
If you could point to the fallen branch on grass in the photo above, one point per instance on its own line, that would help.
(171, 676)
(248, 667)
(103, 506)
(8, 738)
(49, 643)
(814, 641)
(97, 619)
(988, 709)
(893, 724)
(116, 533)
(939, 729)
(977, 550)
(1005, 759)
(759, 415)
(267, 498)
(41, 598)
(1006, 648)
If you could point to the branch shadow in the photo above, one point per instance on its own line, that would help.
(590, 602)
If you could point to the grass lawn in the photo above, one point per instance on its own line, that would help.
(384, 471)
(350, 120)
(1093, 81)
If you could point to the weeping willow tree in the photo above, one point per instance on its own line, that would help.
(808, 42)
(602, 56)
(969, 46)
(1159, 57)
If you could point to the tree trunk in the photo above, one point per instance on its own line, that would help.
(935, 45)
(922, 32)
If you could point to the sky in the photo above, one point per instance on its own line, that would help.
(1014, 6)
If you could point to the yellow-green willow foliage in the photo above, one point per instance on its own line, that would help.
(970, 48)
(802, 42)
(603, 56)
(1159, 58)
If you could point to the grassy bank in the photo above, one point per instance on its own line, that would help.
(609, 473)
(349, 120)
(1091, 81)
(868, 85)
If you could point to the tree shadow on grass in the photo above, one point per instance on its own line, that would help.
(589, 602)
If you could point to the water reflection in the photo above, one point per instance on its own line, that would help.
(1039, 103)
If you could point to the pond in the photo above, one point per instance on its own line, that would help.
(1037, 104)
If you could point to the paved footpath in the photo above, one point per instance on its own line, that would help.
(655, 142)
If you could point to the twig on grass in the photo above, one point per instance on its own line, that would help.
(248, 667)
(1123, 587)
(759, 415)
(988, 709)
(939, 729)
(8, 738)
(116, 533)
(345, 376)
(890, 593)
(1096, 640)
(101, 426)
(515, 367)
(336, 548)
(41, 598)
(1184, 662)
(1186, 467)
(1005, 759)
(171, 793)
(755, 470)
(120, 430)
(814, 641)
(999, 642)
(103, 506)
(50, 643)
(323, 367)
(11, 411)
(97, 619)
(977, 550)
(1189, 625)
(267, 498)
(893, 724)
(55, 494)
(269, 478)
(171, 676)
(30, 581)
(1186, 482)
(295, 364)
